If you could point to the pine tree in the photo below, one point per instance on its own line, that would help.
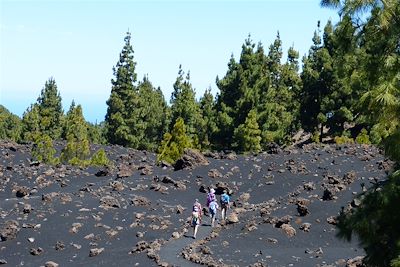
(43, 149)
(209, 128)
(247, 135)
(241, 90)
(121, 115)
(377, 61)
(31, 123)
(185, 106)
(77, 149)
(99, 158)
(317, 77)
(153, 115)
(50, 110)
(278, 106)
(174, 143)
(45, 116)
(96, 133)
(10, 125)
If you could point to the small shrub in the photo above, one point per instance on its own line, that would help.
(174, 143)
(99, 158)
(315, 137)
(363, 138)
(79, 162)
(340, 140)
(43, 149)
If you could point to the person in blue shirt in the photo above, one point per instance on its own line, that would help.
(225, 204)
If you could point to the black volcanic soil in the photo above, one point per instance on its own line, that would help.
(285, 203)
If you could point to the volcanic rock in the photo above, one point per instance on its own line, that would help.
(328, 194)
(109, 202)
(36, 251)
(124, 171)
(288, 230)
(331, 220)
(9, 230)
(22, 191)
(190, 159)
(146, 169)
(95, 251)
(214, 173)
(233, 218)
(305, 227)
(51, 264)
(103, 172)
(355, 262)
(309, 186)
(302, 209)
(140, 201)
(273, 148)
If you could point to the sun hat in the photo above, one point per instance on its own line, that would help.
(212, 190)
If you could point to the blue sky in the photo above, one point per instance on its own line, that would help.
(78, 43)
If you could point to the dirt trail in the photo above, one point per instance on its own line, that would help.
(171, 252)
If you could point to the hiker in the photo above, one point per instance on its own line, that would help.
(196, 217)
(211, 197)
(212, 208)
(225, 204)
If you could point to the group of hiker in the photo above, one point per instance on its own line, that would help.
(212, 206)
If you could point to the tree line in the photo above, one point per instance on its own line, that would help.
(264, 97)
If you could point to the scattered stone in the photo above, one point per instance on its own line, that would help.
(51, 264)
(117, 186)
(328, 194)
(27, 208)
(103, 172)
(309, 186)
(356, 202)
(124, 171)
(288, 230)
(140, 201)
(22, 191)
(9, 230)
(180, 209)
(190, 159)
(302, 209)
(95, 251)
(331, 220)
(214, 173)
(176, 235)
(59, 245)
(36, 251)
(244, 197)
(273, 148)
(272, 240)
(146, 170)
(109, 202)
(233, 218)
(305, 227)
(230, 156)
(355, 262)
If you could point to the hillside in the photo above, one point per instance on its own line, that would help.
(136, 213)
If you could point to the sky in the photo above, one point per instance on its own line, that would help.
(78, 43)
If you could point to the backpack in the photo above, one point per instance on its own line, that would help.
(196, 208)
(210, 198)
(224, 199)
(214, 206)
